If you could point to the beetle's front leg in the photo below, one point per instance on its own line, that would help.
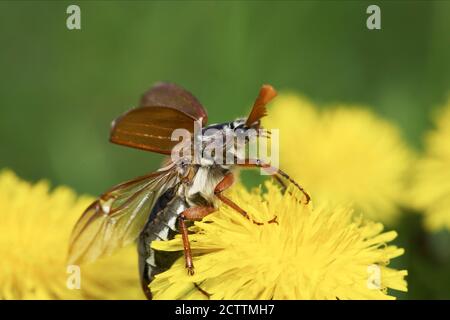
(194, 213)
(224, 184)
(278, 174)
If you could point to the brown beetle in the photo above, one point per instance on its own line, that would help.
(157, 206)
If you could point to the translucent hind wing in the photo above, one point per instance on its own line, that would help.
(117, 217)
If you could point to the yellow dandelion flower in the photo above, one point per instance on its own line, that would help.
(34, 233)
(431, 188)
(321, 253)
(342, 155)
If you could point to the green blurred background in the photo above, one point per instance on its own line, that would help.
(60, 89)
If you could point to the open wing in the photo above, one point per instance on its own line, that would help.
(170, 95)
(164, 108)
(150, 128)
(118, 216)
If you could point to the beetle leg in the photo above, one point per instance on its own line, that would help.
(224, 184)
(194, 213)
(278, 174)
(197, 213)
(186, 246)
(280, 182)
(202, 291)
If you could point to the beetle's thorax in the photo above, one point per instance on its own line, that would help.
(198, 190)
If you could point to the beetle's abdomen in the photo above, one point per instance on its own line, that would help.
(162, 225)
